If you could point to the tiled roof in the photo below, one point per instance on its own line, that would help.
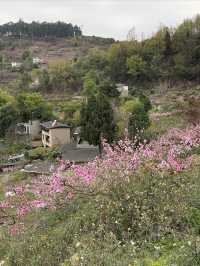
(53, 124)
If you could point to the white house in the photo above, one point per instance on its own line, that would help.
(16, 65)
(122, 89)
(37, 61)
(31, 128)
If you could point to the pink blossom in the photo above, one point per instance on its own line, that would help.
(4, 205)
(18, 190)
(15, 229)
(22, 211)
(70, 195)
(38, 204)
(117, 164)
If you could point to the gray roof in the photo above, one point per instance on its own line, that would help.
(69, 153)
(52, 124)
(78, 155)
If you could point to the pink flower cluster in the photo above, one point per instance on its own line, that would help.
(172, 152)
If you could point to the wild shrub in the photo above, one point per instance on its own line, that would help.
(137, 195)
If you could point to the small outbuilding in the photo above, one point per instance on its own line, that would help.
(123, 90)
(37, 61)
(31, 129)
(16, 65)
(55, 134)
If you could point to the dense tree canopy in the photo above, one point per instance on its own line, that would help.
(61, 76)
(43, 29)
(8, 112)
(33, 106)
(170, 54)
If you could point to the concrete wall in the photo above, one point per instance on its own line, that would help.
(32, 128)
(35, 129)
(57, 137)
(123, 89)
(60, 136)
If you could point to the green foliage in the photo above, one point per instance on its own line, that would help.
(136, 68)
(131, 105)
(18, 177)
(26, 55)
(93, 61)
(8, 112)
(41, 30)
(108, 88)
(71, 112)
(33, 106)
(97, 120)
(44, 80)
(159, 127)
(96, 82)
(138, 120)
(117, 57)
(131, 223)
(27, 60)
(61, 75)
(43, 153)
(146, 102)
(170, 55)
(89, 85)
(24, 82)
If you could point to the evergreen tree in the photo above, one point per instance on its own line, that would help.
(44, 80)
(97, 120)
(37, 29)
(146, 102)
(108, 88)
(8, 112)
(168, 45)
(138, 121)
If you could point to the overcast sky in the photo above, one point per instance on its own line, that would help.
(106, 18)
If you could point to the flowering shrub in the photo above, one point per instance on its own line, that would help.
(141, 184)
(114, 205)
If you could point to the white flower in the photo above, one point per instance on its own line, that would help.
(9, 194)
(78, 244)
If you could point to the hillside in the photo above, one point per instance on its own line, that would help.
(135, 104)
(48, 49)
(121, 209)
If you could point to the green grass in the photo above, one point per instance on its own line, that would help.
(76, 235)
(85, 232)
(161, 126)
